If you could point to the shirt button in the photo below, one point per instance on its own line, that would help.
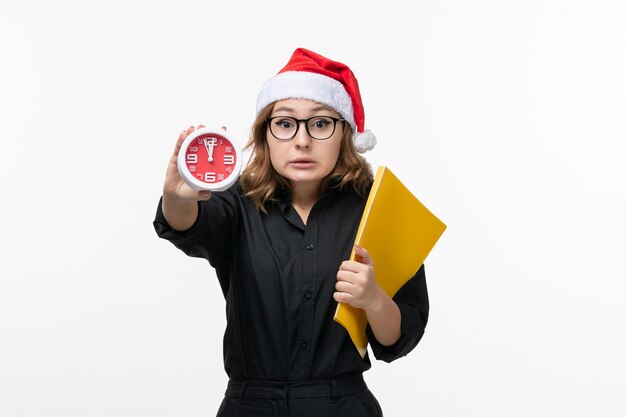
(303, 344)
(308, 295)
(310, 246)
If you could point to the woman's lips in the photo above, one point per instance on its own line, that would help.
(302, 163)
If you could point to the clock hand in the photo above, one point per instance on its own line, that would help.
(209, 149)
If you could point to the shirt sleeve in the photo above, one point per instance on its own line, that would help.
(412, 300)
(212, 235)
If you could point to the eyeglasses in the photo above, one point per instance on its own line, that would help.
(318, 127)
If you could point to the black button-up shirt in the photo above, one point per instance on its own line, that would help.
(278, 277)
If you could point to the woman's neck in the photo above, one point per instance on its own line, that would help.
(304, 196)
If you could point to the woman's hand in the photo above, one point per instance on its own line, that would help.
(180, 201)
(175, 190)
(356, 284)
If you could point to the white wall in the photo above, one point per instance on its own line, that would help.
(506, 118)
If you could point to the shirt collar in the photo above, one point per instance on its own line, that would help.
(283, 193)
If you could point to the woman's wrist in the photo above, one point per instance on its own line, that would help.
(378, 302)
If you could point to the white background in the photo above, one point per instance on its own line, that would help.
(506, 118)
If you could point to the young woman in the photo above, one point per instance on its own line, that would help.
(280, 240)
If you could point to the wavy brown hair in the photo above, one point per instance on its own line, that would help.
(260, 181)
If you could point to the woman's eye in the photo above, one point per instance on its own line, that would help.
(320, 123)
(284, 124)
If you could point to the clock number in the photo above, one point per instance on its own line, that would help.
(209, 176)
(229, 159)
(192, 158)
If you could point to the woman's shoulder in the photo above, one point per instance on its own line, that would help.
(239, 200)
(231, 199)
(348, 194)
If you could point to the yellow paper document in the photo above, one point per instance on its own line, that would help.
(399, 232)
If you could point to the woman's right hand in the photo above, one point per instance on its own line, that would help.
(175, 190)
(180, 201)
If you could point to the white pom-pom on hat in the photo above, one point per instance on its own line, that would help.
(364, 141)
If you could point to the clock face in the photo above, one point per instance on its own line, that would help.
(208, 160)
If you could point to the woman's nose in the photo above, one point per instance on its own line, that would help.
(302, 138)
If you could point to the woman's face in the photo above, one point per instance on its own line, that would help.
(304, 159)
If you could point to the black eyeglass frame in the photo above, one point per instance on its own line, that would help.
(306, 126)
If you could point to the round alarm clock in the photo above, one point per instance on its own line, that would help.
(209, 160)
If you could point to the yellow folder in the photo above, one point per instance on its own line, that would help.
(399, 232)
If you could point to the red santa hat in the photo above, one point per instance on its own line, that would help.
(311, 76)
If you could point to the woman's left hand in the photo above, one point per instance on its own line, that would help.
(356, 284)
